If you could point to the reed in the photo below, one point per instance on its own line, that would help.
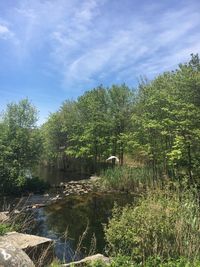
(125, 178)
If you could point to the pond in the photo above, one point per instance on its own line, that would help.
(55, 176)
(76, 223)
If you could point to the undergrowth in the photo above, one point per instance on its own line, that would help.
(164, 224)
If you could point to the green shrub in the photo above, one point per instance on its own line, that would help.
(181, 262)
(35, 185)
(27, 185)
(55, 263)
(125, 261)
(163, 224)
(97, 263)
(4, 228)
(118, 261)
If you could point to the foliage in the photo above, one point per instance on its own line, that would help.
(166, 122)
(4, 228)
(20, 145)
(125, 261)
(163, 224)
(35, 185)
(180, 262)
(92, 127)
(55, 263)
(158, 124)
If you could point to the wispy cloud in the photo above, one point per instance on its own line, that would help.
(5, 33)
(87, 42)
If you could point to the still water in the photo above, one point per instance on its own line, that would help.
(76, 223)
(55, 176)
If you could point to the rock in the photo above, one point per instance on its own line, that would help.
(39, 249)
(4, 216)
(87, 260)
(11, 256)
(94, 178)
(56, 198)
(16, 211)
(37, 206)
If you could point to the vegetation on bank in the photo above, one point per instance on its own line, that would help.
(164, 224)
(17, 221)
(4, 228)
(127, 179)
(21, 146)
(124, 261)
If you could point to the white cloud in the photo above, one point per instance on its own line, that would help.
(3, 29)
(85, 42)
(5, 33)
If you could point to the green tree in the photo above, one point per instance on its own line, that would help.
(166, 122)
(121, 102)
(20, 144)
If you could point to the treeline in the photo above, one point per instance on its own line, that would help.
(93, 127)
(157, 124)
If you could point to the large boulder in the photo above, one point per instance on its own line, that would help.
(39, 249)
(12, 256)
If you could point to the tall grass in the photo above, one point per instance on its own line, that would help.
(18, 219)
(126, 178)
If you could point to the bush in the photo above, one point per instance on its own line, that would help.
(118, 261)
(28, 185)
(125, 261)
(4, 228)
(35, 185)
(163, 224)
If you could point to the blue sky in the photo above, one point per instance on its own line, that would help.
(52, 50)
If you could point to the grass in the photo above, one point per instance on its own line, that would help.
(126, 178)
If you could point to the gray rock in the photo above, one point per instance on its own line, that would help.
(4, 216)
(94, 178)
(11, 256)
(39, 249)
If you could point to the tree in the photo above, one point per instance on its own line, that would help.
(121, 102)
(166, 121)
(20, 143)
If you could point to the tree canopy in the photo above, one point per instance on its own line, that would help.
(20, 144)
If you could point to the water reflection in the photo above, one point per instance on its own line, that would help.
(55, 176)
(74, 215)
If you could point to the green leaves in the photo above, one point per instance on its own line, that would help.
(159, 125)
(162, 224)
(20, 144)
(167, 119)
(93, 127)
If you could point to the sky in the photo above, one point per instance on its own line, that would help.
(53, 50)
